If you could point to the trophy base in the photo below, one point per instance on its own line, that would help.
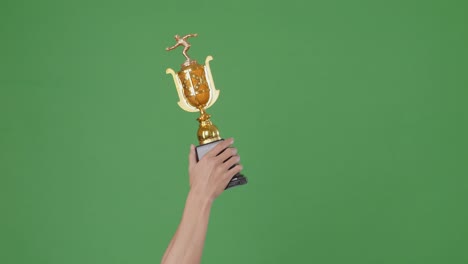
(201, 150)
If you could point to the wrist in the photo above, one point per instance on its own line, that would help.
(199, 197)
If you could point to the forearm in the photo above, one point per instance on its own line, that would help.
(173, 47)
(187, 244)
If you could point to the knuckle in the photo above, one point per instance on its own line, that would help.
(234, 160)
(209, 160)
(216, 149)
(220, 147)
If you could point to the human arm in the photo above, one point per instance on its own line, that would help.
(173, 47)
(189, 36)
(208, 179)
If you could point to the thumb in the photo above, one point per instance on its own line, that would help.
(192, 156)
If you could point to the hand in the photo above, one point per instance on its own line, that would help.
(210, 176)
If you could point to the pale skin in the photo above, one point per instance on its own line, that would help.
(208, 179)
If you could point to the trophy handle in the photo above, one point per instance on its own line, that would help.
(182, 103)
(214, 93)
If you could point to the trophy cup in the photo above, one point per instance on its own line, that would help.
(197, 92)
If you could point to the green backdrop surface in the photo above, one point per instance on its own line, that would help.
(350, 118)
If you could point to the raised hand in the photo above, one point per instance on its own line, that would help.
(210, 176)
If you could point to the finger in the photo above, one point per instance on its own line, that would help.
(220, 147)
(231, 162)
(230, 173)
(192, 157)
(226, 154)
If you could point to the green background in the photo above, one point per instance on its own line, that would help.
(350, 118)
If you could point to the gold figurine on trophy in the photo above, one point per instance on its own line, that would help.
(197, 92)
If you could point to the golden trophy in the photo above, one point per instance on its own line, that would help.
(197, 92)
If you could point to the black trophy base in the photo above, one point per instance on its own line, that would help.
(201, 150)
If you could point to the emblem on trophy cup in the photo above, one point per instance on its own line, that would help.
(197, 92)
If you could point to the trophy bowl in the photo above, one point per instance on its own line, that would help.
(194, 85)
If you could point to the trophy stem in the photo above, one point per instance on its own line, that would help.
(207, 132)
